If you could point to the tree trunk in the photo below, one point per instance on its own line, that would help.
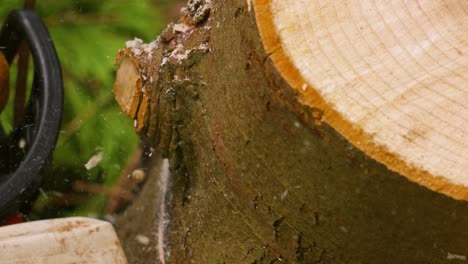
(261, 171)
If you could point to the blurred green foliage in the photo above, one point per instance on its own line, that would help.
(87, 34)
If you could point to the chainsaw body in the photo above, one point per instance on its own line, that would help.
(25, 152)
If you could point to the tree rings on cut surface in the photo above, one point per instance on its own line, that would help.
(390, 76)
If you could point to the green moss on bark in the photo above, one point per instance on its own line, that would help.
(256, 180)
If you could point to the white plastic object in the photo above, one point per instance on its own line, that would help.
(65, 240)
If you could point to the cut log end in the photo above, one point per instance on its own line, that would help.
(4, 82)
(66, 240)
(128, 88)
(394, 86)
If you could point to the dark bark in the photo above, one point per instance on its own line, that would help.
(255, 178)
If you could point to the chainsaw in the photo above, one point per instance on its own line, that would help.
(25, 155)
(26, 150)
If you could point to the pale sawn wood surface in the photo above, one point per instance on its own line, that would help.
(65, 240)
(390, 76)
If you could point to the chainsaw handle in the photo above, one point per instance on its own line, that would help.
(16, 187)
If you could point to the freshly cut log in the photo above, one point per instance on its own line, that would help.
(390, 76)
(302, 132)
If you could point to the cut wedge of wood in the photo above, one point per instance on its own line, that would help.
(67, 240)
(390, 76)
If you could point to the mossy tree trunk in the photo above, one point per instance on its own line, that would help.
(256, 177)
